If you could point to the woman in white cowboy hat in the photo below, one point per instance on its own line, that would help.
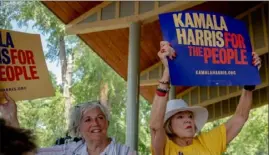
(175, 126)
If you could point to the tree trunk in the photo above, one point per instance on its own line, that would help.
(104, 95)
(66, 69)
(63, 58)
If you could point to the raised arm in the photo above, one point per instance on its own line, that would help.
(158, 137)
(235, 124)
(8, 111)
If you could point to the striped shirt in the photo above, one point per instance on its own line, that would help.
(80, 148)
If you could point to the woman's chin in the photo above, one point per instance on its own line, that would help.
(189, 134)
(97, 137)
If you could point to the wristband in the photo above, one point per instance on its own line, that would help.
(162, 92)
(159, 93)
(250, 87)
(163, 82)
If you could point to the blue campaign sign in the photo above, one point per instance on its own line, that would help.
(212, 49)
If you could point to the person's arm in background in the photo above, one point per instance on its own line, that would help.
(8, 111)
(158, 135)
(237, 121)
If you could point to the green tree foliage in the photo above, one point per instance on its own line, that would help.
(7, 12)
(144, 131)
(44, 117)
(44, 21)
(60, 47)
(253, 138)
(5, 21)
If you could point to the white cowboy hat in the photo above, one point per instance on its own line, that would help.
(178, 105)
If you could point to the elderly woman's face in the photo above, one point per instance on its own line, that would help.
(183, 124)
(94, 124)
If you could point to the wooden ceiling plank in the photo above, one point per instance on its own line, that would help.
(123, 41)
(148, 92)
(125, 33)
(122, 33)
(117, 37)
(119, 60)
(93, 41)
(145, 52)
(88, 5)
(115, 45)
(147, 56)
(114, 62)
(157, 32)
(88, 39)
(69, 11)
(151, 50)
(77, 7)
(56, 11)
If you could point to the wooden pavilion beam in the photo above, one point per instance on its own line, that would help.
(111, 15)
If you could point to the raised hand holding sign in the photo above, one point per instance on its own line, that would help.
(166, 51)
(8, 111)
(211, 49)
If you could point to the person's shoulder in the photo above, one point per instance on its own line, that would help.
(121, 149)
(215, 133)
(63, 148)
(214, 139)
(119, 145)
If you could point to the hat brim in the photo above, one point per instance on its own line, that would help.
(200, 115)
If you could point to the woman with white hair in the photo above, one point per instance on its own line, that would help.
(175, 126)
(89, 121)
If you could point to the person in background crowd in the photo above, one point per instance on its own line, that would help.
(16, 141)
